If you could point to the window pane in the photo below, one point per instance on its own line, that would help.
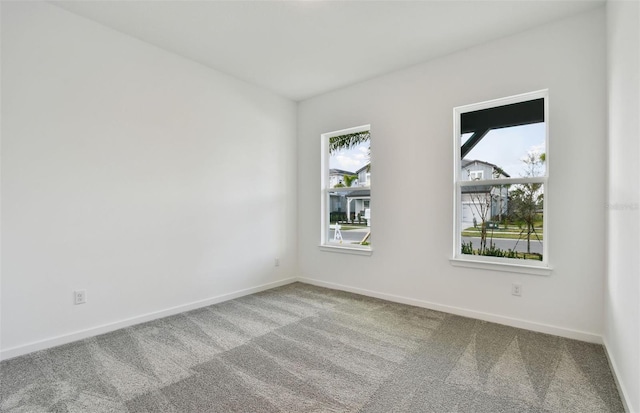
(348, 196)
(349, 165)
(502, 220)
(349, 217)
(518, 151)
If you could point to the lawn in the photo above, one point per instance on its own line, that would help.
(350, 227)
(510, 232)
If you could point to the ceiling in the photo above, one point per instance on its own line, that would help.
(301, 49)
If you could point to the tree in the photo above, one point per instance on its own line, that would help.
(348, 141)
(351, 140)
(482, 198)
(526, 199)
(481, 203)
(348, 180)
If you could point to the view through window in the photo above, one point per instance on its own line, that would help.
(501, 177)
(347, 188)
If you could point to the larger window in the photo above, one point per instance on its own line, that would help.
(501, 173)
(346, 189)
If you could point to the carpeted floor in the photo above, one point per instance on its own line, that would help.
(300, 348)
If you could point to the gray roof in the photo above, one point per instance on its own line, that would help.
(466, 162)
(360, 192)
(340, 172)
(363, 168)
(355, 193)
(476, 189)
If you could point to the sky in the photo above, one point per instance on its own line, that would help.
(352, 159)
(507, 146)
(502, 147)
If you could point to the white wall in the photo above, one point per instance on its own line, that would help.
(146, 179)
(410, 113)
(622, 294)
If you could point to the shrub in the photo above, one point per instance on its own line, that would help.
(467, 248)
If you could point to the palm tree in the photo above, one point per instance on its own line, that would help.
(348, 141)
(348, 180)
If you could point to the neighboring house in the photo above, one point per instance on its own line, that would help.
(337, 200)
(347, 206)
(357, 204)
(487, 200)
(364, 175)
(359, 201)
(336, 177)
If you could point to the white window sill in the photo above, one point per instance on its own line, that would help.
(501, 266)
(346, 249)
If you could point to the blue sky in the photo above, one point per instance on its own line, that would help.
(507, 146)
(503, 147)
(351, 159)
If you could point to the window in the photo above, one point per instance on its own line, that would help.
(346, 190)
(500, 151)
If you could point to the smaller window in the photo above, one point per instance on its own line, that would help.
(346, 189)
(476, 175)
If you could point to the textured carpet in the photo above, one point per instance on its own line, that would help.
(301, 348)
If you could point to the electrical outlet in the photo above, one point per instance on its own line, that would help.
(80, 297)
(276, 262)
(516, 289)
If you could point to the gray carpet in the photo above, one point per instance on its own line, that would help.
(301, 348)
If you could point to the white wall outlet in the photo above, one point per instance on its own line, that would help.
(516, 289)
(276, 262)
(80, 297)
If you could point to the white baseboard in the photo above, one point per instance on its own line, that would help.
(509, 321)
(106, 328)
(94, 331)
(619, 384)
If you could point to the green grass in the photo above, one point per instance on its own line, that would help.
(349, 227)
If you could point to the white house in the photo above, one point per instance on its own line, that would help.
(482, 202)
(350, 206)
(364, 175)
(336, 177)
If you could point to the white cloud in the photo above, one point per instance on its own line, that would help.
(350, 159)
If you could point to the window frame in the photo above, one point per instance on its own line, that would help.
(487, 262)
(325, 190)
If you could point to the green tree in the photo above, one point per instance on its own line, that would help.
(481, 203)
(351, 140)
(349, 179)
(526, 199)
(482, 199)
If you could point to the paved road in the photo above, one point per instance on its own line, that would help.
(506, 244)
(353, 235)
